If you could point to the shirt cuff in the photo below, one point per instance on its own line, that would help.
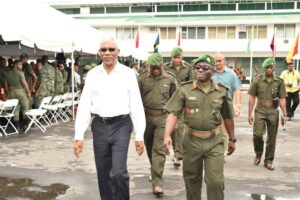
(139, 137)
(78, 137)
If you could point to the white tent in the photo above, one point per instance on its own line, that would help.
(36, 24)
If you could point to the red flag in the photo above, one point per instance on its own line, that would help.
(272, 46)
(137, 40)
(179, 39)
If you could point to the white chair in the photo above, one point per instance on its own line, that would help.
(52, 108)
(62, 108)
(7, 112)
(69, 102)
(35, 116)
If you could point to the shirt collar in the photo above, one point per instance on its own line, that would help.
(213, 85)
(224, 71)
(275, 78)
(116, 68)
(163, 74)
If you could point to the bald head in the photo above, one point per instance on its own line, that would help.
(220, 61)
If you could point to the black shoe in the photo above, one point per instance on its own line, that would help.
(289, 119)
(292, 114)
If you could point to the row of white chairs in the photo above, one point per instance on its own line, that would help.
(51, 110)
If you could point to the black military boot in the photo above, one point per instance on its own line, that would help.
(25, 124)
(17, 125)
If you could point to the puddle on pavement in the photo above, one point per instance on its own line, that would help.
(25, 189)
(262, 197)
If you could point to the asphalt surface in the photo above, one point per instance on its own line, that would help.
(42, 166)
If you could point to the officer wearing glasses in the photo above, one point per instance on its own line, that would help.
(204, 104)
(111, 93)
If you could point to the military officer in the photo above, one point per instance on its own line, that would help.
(183, 72)
(65, 77)
(59, 80)
(40, 89)
(270, 91)
(30, 76)
(204, 104)
(48, 75)
(17, 88)
(156, 87)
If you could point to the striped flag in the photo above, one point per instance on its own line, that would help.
(179, 39)
(294, 49)
(249, 42)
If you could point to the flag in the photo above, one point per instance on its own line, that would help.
(179, 39)
(294, 49)
(137, 40)
(249, 42)
(272, 46)
(156, 44)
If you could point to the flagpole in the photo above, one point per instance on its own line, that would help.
(251, 56)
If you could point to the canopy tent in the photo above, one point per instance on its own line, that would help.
(39, 26)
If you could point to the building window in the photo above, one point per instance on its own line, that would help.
(221, 32)
(252, 6)
(168, 32)
(126, 33)
(70, 11)
(195, 7)
(97, 10)
(153, 29)
(259, 32)
(193, 32)
(141, 9)
(117, 9)
(222, 7)
(280, 6)
(168, 8)
(285, 30)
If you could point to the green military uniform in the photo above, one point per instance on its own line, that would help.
(14, 78)
(203, 108)
(59, 82)
(183, 73)
(266, 116)
(28, 72)
(48, 76)
(155, 92)
(66, 84)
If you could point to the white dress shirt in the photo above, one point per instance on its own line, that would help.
(110, 95)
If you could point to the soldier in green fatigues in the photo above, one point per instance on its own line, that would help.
(270, 91)
(59, 80)
(2, 71)
(156, 86)
(48, 75)
(65, 77)
(40, 89)
(30, 76)
(204, 104)
(183, 72)
(17, 88)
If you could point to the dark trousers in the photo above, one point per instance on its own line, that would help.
(110, 148)
(292, 96)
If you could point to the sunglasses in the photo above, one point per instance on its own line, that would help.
(103, 50)
(204, 68)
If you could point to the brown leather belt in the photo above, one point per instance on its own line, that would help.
(154, 112)
(205, 134)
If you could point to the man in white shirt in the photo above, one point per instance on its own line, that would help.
(111, 93)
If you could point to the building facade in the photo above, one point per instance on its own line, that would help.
(234, 27)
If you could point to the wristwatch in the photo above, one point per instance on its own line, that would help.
(232, 140)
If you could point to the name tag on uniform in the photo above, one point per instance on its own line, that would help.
(192, 98)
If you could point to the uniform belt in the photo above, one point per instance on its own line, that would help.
(154, 112)
(265, 103)
(205, 134)
(109, 120)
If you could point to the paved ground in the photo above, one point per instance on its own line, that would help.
(42, 166)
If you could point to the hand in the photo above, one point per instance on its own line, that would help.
(167, 144)
(78, 146)
(237, 110)
(250, 120)
(139, 147)
(283, 119)
(231, 148)
(28, 94)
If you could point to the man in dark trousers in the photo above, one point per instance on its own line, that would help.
(111, 94)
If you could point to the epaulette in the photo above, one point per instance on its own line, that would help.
(186, 82)
(174, 76)
(259, 76)
(223, 85)
(143, 73)
(186, 63)
(279, 77)
(167, 64)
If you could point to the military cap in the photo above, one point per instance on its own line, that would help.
(155, 59)
(268, 62)
(23, 55)
(205, 58)
(177, 51)
(93, 65)
(87, 67)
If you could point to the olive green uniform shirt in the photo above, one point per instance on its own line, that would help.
(202, 111)
(156, 92)
(59, 82)
(28, 71)
(185, 72)
(14, 78)
(263, 89)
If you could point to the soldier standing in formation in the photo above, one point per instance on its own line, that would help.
(156, 87)
(270, 91)
(204, 104)
(183, 72)
(59, 79)
(48, 75)
(17, 88)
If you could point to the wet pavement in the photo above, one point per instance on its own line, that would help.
(38, 164)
